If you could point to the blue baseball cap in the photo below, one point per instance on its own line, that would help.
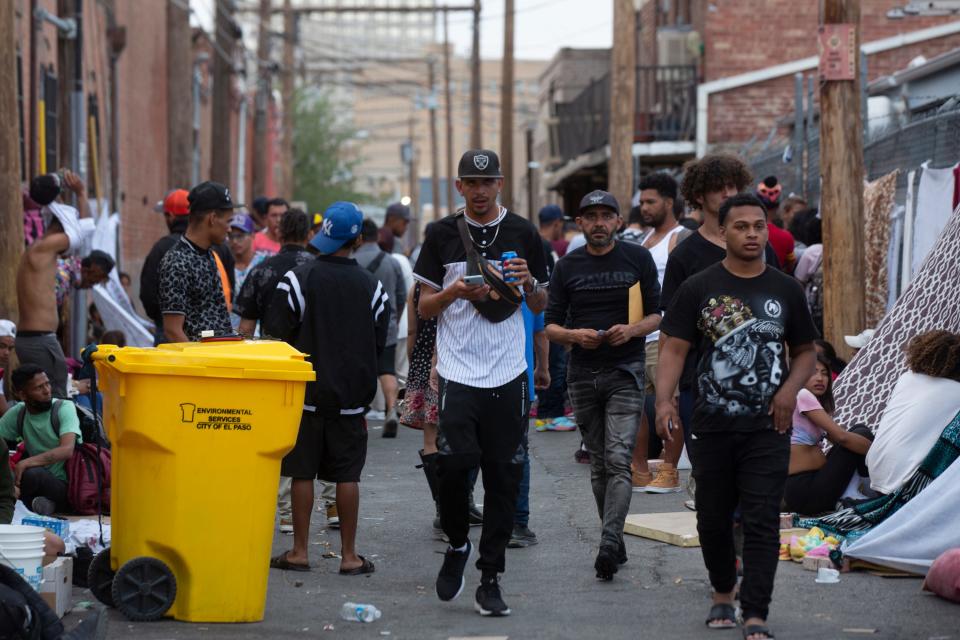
(550, 213)
(341, 224)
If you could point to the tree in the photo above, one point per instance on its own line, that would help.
(324, 159)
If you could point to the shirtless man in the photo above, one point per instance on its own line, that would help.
(36, 340)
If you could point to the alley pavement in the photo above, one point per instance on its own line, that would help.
(662, 592)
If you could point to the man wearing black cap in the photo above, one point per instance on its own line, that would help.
(395, 223)
(194, 284)
(481, 368)
(604, 300)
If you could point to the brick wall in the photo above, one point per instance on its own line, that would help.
(747, 35)
(142, 78)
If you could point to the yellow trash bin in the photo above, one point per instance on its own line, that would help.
(197, 432)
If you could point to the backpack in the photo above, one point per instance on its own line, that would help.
(88, 469)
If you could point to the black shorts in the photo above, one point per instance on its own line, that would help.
(387, 366)
(479, 424)
(333, 449)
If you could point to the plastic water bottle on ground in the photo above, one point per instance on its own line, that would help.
(359, 612)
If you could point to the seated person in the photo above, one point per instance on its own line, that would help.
(40, 477)
(924, 401)
(817, 481)
(52, 544)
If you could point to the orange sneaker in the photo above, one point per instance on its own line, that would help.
(640, 479)
(667, 480)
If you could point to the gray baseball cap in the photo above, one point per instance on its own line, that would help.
(599, 198)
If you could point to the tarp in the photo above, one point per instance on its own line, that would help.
(913, 537)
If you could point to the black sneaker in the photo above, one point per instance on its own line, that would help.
(450, 579)
(607, 564)
(489, 601)
(476, 515)
(390, 424)
(522, 537)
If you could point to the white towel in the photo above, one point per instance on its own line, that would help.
(934, 208)
(69, 219)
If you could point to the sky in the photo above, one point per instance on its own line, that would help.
(541, 27)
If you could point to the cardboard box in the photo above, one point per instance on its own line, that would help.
(57, 584)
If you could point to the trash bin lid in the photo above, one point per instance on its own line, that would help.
(245, 359)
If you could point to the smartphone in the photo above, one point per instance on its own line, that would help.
(473, 281)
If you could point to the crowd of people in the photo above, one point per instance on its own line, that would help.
(692, 323)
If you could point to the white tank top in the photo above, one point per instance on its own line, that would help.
(660, 253)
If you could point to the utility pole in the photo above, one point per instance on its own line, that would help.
(179, 110)
(220, 164)
(506, 108)
(841, 174)
(434, 151)
(449, 110)
(290, 36)
(414, 177)
(260, 155)
(623, 98)
(11, 206)
(476, 116)
(531, 175)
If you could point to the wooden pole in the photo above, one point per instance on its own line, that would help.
(841, 173)
(11, 209)
(220, 153)
(449, 111)
(286, 83)
(531, 176)
(476, 115)
(434, 151)
(259, 173)
(179, 110)
(414, 173)
(506, 108)
(623, 98)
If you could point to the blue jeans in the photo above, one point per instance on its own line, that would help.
(608, 403)
(552, 400)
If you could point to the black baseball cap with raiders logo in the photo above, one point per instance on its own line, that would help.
(479, 163)
(599, 198)
(211, 196)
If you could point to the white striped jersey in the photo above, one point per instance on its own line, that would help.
(471, 350)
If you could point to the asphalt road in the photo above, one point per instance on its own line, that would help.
(662, 592)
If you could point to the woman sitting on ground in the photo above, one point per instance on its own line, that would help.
(816, 481)
(924, 401)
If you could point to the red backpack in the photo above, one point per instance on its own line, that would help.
(88, 469)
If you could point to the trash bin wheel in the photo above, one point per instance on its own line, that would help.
(100, 577)
(144, 589)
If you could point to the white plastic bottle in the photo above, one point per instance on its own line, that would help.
(359, 612)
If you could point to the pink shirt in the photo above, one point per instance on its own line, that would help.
(263, 244)
(804, 431)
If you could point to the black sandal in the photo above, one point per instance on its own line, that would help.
(720, 612)
(365, 567)
(752, 629)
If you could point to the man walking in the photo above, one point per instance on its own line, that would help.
(604, 301)
(658, 194)
(742, 316)
(337, 312)
(388, 271)
(481, 366)
(395, 223)
(194, 285)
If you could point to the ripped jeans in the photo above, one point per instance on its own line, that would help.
(608, 403)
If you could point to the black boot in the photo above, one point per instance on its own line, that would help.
(428, 462)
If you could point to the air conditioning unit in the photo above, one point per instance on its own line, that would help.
(673, 46)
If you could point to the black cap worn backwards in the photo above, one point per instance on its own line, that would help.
(479, 163)
(599, 198)
(211, 196)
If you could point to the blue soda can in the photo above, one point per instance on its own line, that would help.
(507, 255)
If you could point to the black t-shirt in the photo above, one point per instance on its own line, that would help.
(691, 256)
(739, 327)
(595, 292)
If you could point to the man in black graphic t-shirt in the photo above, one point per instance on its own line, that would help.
(594, 286)
(741, 316)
